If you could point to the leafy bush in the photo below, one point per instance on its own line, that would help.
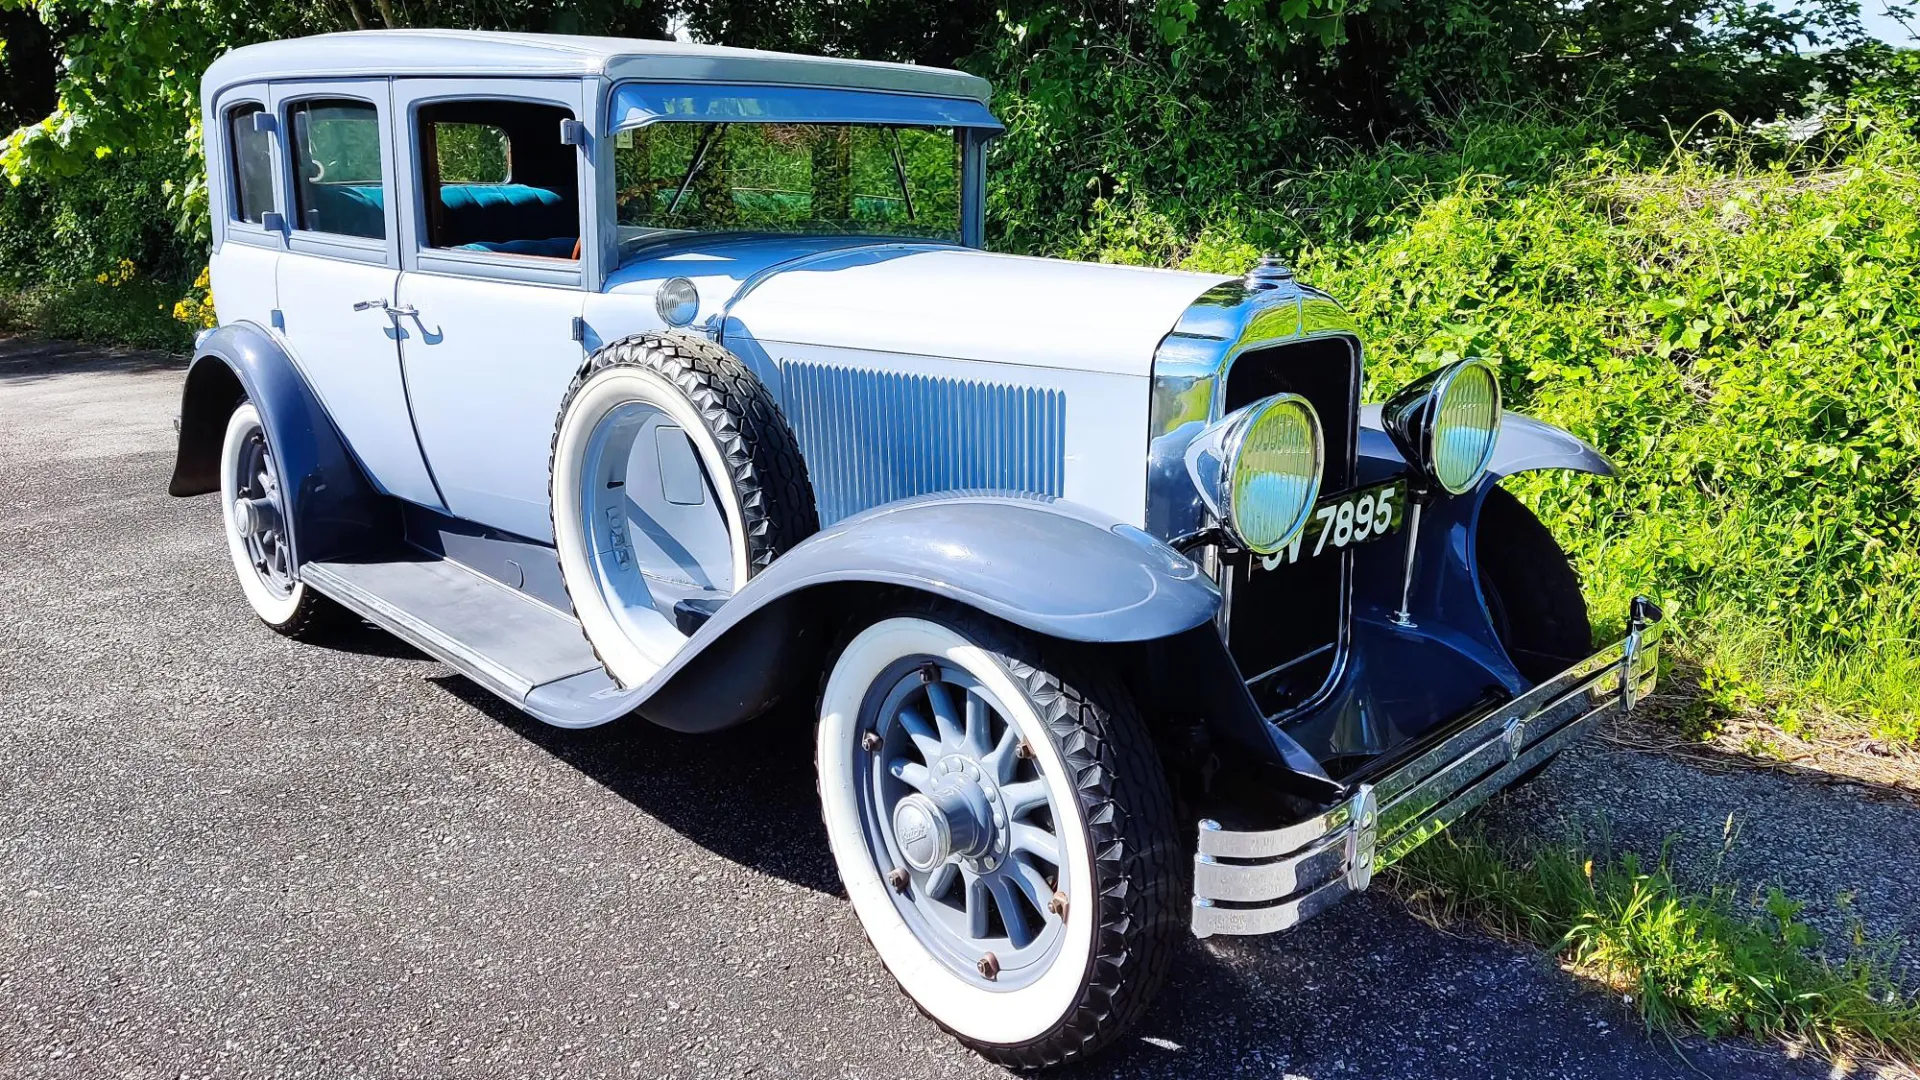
(1739, 338)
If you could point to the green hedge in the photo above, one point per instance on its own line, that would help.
(1738, 337)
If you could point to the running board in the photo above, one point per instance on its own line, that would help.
(500, 638)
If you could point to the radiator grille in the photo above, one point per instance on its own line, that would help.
(1286, 627)
(871, 437)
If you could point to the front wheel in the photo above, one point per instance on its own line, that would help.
(1004, 830)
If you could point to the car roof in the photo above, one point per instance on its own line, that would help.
(482, 53)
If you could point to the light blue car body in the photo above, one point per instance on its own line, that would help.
(426, 417)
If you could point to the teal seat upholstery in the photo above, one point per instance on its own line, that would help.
(348, 209)
(494, 213)
(559, 247)
(516, 218)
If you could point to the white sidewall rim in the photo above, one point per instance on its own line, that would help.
(1004, 1017)
(625, 660)
(273, 610)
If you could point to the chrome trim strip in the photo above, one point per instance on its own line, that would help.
(1262, 881)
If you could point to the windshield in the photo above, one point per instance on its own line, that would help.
(833, 179)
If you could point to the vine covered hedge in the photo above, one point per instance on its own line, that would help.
(1738, 337)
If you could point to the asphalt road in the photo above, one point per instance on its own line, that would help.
(227, 854)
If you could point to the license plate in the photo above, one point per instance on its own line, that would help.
(1343, 520)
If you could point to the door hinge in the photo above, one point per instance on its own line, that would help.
(573, 133)
(579, 330)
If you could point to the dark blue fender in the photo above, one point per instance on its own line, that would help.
(334, 510)
(1050, 566)
(1401, 681)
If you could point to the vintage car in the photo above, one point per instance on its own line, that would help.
(640, 377)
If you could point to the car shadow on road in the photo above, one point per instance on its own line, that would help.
(746, 794)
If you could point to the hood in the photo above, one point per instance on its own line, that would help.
(926, 298)
(935, 300)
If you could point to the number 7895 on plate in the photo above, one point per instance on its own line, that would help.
(1338, 521)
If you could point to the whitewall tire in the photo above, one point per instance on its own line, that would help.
(956, 764)
(744, 498)
(258, 530)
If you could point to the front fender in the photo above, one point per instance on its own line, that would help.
(1053, 567)
(1525, 445)
(1049, 566)
(334, 510)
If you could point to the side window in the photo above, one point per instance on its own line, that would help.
(251, 153)
(497, 178)
(336, 167)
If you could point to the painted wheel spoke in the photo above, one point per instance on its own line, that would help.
(911, 773)
(946, 714)
(1032, 885)
(1014, 912)
(1025, 796)
(940, 879)
(979, 725)
(976, 901)
(1003, 759)
(1036, 841)
(921, 733)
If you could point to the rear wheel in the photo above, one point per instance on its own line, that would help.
(1004, 830)
(259, 534)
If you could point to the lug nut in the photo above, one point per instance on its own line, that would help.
(1058, 905)
(898, 878)
(1024, 751)
(870, 741)
(990, 967)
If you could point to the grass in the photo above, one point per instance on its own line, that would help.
(1716, 962)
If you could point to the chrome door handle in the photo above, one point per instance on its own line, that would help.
(408, 312)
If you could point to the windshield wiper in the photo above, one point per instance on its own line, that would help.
(699, 159)
(900, 170)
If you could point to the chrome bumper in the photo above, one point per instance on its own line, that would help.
(1269, 880)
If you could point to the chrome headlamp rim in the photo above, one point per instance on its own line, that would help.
(1213, 463)
(677, 301)
(1412, 419)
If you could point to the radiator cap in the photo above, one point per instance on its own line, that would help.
(1269, 273)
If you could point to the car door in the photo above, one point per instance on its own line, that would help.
(492, 284)
(337, 277)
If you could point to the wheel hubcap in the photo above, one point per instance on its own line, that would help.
(258, 517)
(949, 799)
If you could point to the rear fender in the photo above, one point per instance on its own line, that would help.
(333, 508)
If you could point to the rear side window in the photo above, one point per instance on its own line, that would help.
(251, 152)
(336, 167)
